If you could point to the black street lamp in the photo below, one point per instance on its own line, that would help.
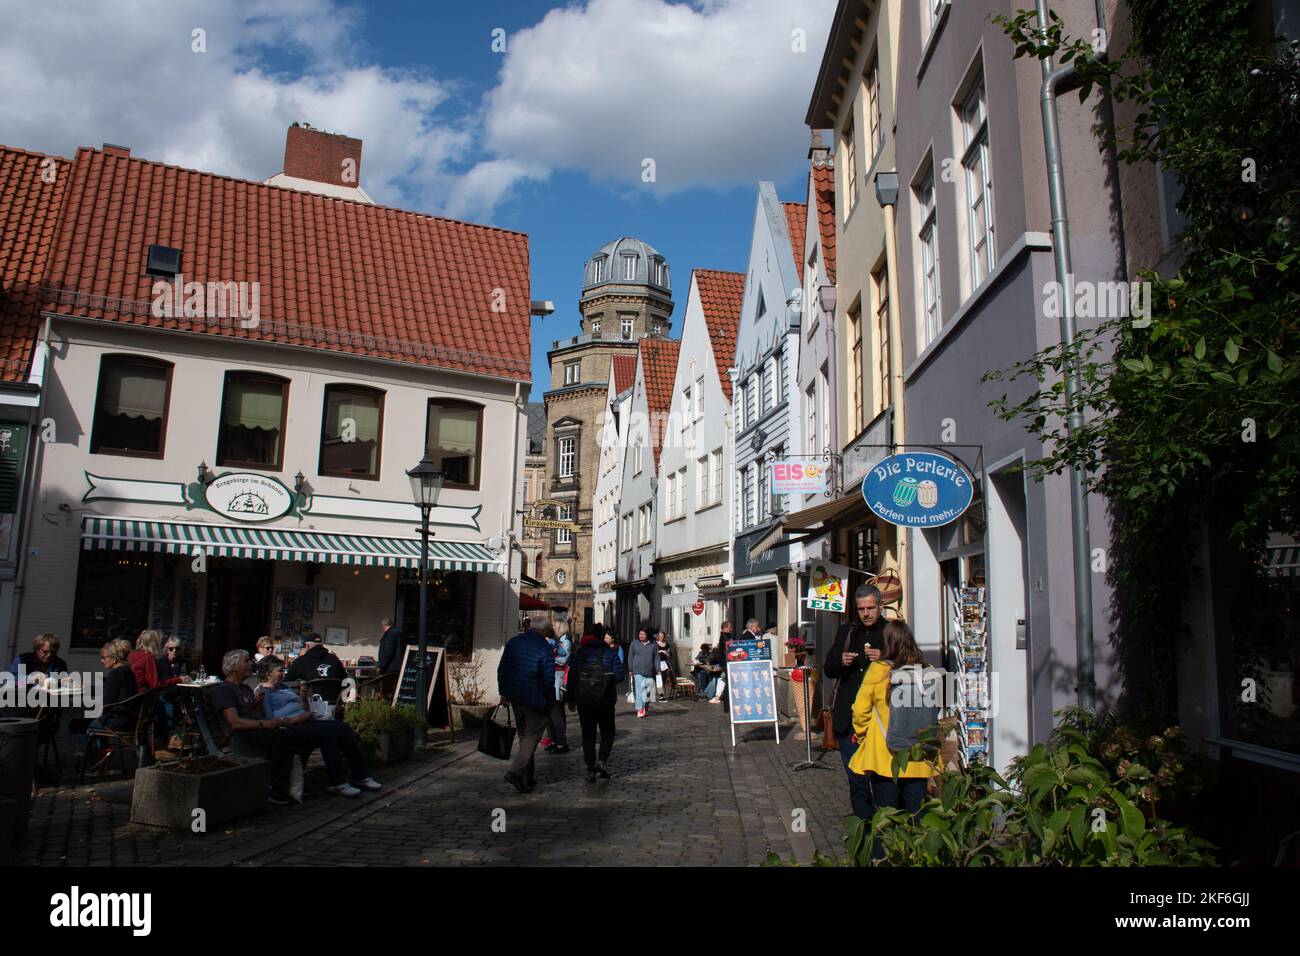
(426, 484)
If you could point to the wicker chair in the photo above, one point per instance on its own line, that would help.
(138, 738)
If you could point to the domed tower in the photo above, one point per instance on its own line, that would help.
(626, 297)
(626, 292)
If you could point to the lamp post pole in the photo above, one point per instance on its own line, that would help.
(421, 667)
(426, 483)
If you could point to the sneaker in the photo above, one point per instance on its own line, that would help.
(369, 783)
(277, 797)
(641, 712)
(560, 749)
(601, 769)
(517, 781)
(716, 700)
(343, 790)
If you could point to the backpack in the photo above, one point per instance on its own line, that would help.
(913, 706)
(594, 682)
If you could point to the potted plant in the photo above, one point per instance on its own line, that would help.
(223, 788)
(387, 733)
(467, 696)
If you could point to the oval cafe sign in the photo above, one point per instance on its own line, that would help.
(917, 489)
(248, 497)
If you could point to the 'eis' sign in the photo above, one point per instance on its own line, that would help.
(918, 490)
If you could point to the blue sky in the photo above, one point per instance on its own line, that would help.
(546, 137)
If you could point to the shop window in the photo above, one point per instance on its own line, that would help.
(451, 601)
(453, 437)
(131, 407)
(112, 597)
(253, 409)
(351, 431)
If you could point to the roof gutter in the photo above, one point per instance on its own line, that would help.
(1055, 82)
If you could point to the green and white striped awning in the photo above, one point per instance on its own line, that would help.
(1283, 560)
(282, 544)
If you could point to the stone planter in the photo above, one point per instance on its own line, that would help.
(234, 787)
(392, 747)
(470, 716)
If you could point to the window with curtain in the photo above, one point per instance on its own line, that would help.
(979, 184)
(453, 438)
(131, 407)
(351, 431)
(252, 421)
(884, 384)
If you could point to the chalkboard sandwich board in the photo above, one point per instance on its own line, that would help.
(437, 703)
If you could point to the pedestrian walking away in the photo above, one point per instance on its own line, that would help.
(641, 658)
(856, 645)
(594, 671)
(557, 736)
(526, 680)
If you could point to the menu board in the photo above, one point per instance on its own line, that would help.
(437, 705)
(751, 685)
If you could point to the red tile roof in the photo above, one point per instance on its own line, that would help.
(659, 366)
(333, 274)
(721, 295)
(796, 217)
(32, 187)
(824, 195)
(624, 372)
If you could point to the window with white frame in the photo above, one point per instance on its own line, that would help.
(680, 489)
(629, 267)
(643, 524)
(748, 493)
(855, 386)
(850, 171)
(568, 457)
(765, 389)
(928, 247)
(884, 378)
(751, 396)
(780, 376)
(627, 531)
(701, 482)
(688, 403)
(564, 535)
(698, 412)
(572, 373)
(595, 327)
(933, 10)
(741, 423)
(670, 496)
(874, 114)
(813, 430)
(764, 491)
(598, 270)
(626, 327)
(979, 183)
(638, 457)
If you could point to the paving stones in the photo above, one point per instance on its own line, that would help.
(680, 796)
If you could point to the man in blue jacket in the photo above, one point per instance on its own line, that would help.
(526, 680)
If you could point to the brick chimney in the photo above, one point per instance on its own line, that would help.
(322, 157)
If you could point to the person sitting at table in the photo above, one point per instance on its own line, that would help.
(171, 670)
(119, 686)
(42, 659)
(317, 662)
(339, 745)
(144, 659)
(264, 646)
(251, 733)
(699, 670)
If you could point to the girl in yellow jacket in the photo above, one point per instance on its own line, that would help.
(872, 784)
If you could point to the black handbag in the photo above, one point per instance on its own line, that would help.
(496, 740)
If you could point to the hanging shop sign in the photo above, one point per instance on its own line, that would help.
(697, 608)
(244, 496)
(918, 489)
(550, 523)
(798, 478)
(826, 586)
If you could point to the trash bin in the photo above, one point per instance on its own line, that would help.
(17, 765)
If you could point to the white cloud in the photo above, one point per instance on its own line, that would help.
(124, 72)
(714, 93)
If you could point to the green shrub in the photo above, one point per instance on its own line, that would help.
(370, 718)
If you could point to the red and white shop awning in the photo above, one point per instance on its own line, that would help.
(283, 544)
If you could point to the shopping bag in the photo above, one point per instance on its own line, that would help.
(494, 739)
(321, 709)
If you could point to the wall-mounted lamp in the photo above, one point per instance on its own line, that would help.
(298, 481)
(204, 474)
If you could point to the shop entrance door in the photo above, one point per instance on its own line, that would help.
(238, 607)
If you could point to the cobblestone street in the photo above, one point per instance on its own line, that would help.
(679, 796)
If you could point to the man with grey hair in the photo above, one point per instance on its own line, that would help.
(390, 647)
(251, 734)
(753, 631)
(856, 644)
(526, 680)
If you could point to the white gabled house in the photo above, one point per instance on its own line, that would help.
(609, 485)
(695, 492)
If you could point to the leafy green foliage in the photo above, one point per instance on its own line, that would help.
(1197, 411)
(369, 718)
(1063, 804)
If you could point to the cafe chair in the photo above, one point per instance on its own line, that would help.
(139, 738)
(330, 689)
